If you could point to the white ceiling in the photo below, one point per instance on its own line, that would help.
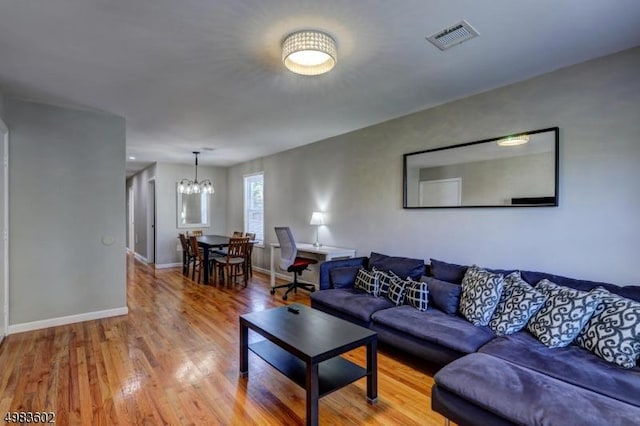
(191, 74)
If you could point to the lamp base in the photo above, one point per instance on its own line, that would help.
(317, 244)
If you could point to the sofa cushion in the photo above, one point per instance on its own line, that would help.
(367, 281)
(527, 397)
(443, 295)
(343, 277)
(480, 295)
(398, 290)
(563, 315)
(417, 295)
(613, 332)
(353, 302)
(518, 302)
(570, 364)
(401, 266)
(449, 272)
(435, 326)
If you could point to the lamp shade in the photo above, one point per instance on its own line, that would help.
(317, 218)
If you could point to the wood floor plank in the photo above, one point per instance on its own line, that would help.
(174, 360)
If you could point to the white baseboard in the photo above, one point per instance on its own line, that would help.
(140, 257)
(70, 319)
(168, 265)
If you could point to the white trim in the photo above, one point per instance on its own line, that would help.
(70, 319)
(4, 310)
(140, 257)
(167, 265)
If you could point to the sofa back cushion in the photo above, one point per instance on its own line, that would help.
(344, 277)
(448, 272)
(401, 266)
(533, 278)
(443, 295)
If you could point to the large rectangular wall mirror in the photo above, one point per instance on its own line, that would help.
(508, 171)
(192, 210)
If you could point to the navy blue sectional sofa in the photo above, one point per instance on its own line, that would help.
(485, 379)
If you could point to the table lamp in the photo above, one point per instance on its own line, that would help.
(317, 219)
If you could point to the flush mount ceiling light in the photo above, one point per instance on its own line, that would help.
(187, 186)
(514, 140)
(309, 52)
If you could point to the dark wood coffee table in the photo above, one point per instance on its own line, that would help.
(305, 348)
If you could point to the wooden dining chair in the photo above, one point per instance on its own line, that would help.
(233, 265)
(198, 257)
(252, 237)
(188, 257)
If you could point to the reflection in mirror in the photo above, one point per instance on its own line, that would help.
(192, 210)
(507, 171)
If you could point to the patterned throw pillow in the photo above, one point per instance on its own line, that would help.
(367, 281)
(518, 302)
(398, 290)
(384, 281)
(481, 292)
(417, 295)
(563, 315)
(613, 332)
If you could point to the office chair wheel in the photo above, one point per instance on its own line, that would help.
(284, 297)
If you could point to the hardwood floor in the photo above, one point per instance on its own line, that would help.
(174, 360)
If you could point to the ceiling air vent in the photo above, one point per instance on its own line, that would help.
(453, 35)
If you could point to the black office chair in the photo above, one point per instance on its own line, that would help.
(290, 262)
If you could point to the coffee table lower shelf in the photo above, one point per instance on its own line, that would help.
(333, 373)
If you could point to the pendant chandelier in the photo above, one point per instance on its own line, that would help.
(187, 186)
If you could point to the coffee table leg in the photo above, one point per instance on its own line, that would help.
(313, 392)
(372, 371)
(244, 350)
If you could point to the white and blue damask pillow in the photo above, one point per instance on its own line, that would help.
(613, 332)
(480, 295)
(518, 302)
(563, 315)
(367, 281)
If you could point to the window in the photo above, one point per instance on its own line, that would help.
(254, 205)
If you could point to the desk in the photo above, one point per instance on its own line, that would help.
(328, 252)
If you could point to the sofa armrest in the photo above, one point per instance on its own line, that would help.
(326, 267)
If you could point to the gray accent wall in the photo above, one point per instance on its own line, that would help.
(357, 178)
(66, 185)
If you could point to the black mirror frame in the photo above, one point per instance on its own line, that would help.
(555, 200)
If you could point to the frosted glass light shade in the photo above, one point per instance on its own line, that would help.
(309, 52)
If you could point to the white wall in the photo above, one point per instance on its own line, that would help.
(66, 185)
(357, 178)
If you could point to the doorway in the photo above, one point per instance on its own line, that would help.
(151, 220)
(132, 222)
